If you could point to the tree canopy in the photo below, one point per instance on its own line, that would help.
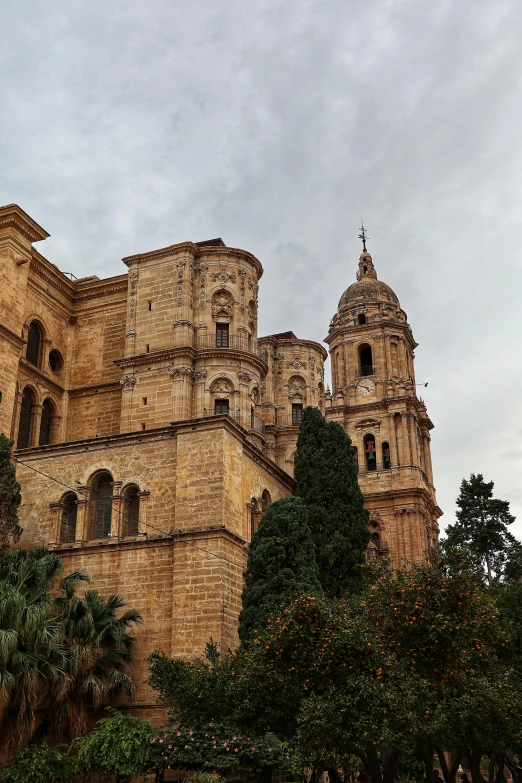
(482, 524)
(281, 564)
(10, 497)
(326, 476)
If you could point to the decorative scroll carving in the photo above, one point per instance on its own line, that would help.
(202, 284)
(200, 375)
(223, 275)
(221, 304)
(177, 373)
(254, 287)
(242, 275)
(191, 271)
(180, 266)
(133, 285)
(297, 363)
(245, 376)
(127, 382)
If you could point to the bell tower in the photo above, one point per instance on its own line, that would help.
(374, 399)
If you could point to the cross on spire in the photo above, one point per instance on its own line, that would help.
(363, 235)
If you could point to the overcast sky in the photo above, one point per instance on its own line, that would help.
(276, 124)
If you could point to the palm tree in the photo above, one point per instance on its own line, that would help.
(99, 646)
(32, 657)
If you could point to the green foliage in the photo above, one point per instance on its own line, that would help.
(120, 745)
(281, 564)
(66, 652)
(32, 657)
(216, 747)
(39, 764)
(326, 475)
(10, 497)
(423, 656)
(99, 645)
(482, 524)
(203, 777)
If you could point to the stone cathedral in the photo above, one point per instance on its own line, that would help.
(153, 426)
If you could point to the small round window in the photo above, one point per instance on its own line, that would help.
(56, 361)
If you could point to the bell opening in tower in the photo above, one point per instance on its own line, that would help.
(369, 452)
(365, 360)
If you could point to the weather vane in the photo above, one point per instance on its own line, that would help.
(363, 235)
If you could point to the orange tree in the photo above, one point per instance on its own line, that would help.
(420, 661)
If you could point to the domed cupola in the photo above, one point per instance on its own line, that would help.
(368, 289)
(369, 299)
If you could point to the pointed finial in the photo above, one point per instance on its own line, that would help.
(363, 236)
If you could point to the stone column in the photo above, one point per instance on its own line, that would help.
(181, 392)
(142, 525)
(36, 421)
(82, 518)
(54, 530)
(394, 454)
(127, 382)
(132, 296)
(117, 518)
(198, 394)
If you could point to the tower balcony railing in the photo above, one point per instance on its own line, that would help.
(258, 425)
(373, 468)
(365, 370)
(254, 423)
(231, 342)
(288, 420)
(232, 412)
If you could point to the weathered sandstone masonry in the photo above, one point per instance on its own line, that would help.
(153, 426)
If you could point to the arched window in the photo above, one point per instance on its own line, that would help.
(26, 419)
(255, 516)
(386, 456)
(103, 505)
(131, 511)
(365, 360)
(46, 423)
(265, 501)
(34, 341)
(68, 518)
(376, 540)
(369, 452)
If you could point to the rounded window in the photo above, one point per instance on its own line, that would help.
(56, 361)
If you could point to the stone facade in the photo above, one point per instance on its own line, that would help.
(374, 398)
(153, 426)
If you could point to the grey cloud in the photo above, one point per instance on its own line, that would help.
(276, 125)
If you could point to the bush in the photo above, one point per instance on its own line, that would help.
(39, 764)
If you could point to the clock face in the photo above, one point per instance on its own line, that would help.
(366, 387)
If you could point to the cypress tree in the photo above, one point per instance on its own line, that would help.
(10, 497)
(281, 564)
(482, 524)
(326, 475)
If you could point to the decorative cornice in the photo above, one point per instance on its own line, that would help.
(155, 357)
(35, 374)
(235, 353)
(297, 343)
(11, 337)
(51, 275)
(101, 288)
(95, 388)
(172, 250)
(13, 216)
